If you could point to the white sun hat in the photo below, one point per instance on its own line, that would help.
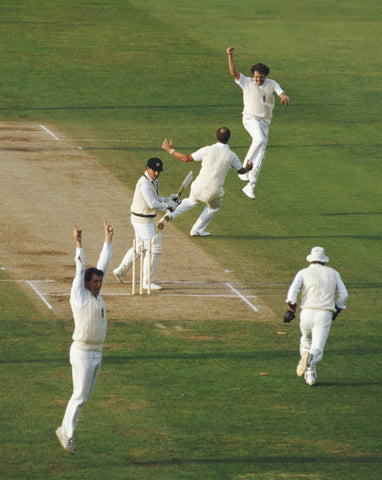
(317, 255)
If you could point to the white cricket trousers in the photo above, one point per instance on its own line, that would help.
(259, 133)
(144, 232)
(85, 368)
(204, 218)
(315, 327)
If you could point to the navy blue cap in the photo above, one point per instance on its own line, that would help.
(155, 164)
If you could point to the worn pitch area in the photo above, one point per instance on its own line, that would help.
(48, 183)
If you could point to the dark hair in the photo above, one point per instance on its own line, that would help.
(89, 272)
(223, 134)
(261, 68)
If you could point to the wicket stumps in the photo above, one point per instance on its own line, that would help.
(142, 253)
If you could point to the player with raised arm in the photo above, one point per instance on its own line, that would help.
(216, 161)
(89, 313)
(258, 98)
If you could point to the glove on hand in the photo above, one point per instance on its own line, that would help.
(175, 197)
(336, 313)
(171, 205)
(289, 314)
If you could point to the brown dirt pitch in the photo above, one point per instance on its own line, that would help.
(47, 184)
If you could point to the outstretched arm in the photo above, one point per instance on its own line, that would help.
(77, 234)
(78, 290)
(109, 232)
(231, 63)
(184, 157)
(105, 255)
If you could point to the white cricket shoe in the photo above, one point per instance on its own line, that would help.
(119, 275)
(243, 176)
(303, 363)
(199, 234)
(66, 443)
(310, 377)
(153, 286)
(249, 190)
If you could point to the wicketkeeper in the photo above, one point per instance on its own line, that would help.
(146, 203)
(319, 285)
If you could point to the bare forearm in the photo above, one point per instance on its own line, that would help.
(232, 67)
(184, 157)
(231, 63)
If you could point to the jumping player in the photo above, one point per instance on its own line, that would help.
(258, 98)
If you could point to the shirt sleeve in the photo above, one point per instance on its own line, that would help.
(199, 154)
(78, 291)
(294, 288)
(341, 292)
(236, 164)
(242, 81)
(277, 89)
(104, 257)
(152, 200)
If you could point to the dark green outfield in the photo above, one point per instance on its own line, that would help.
(193, 405)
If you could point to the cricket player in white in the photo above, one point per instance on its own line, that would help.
(319, 308)
(146, 203)
(258, 99)
(216, 161)
(89, 315)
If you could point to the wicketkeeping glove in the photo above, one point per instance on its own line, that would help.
(289, 314)
(336, 313)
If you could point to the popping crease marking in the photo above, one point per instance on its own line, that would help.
(36, 290)
(242, 297)
(49, 132)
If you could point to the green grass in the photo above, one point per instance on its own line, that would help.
(192, 404)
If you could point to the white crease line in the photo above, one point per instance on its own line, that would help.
(50, 133)
(242, 297)
(176, 282)
(39, 294)
(162, 294)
